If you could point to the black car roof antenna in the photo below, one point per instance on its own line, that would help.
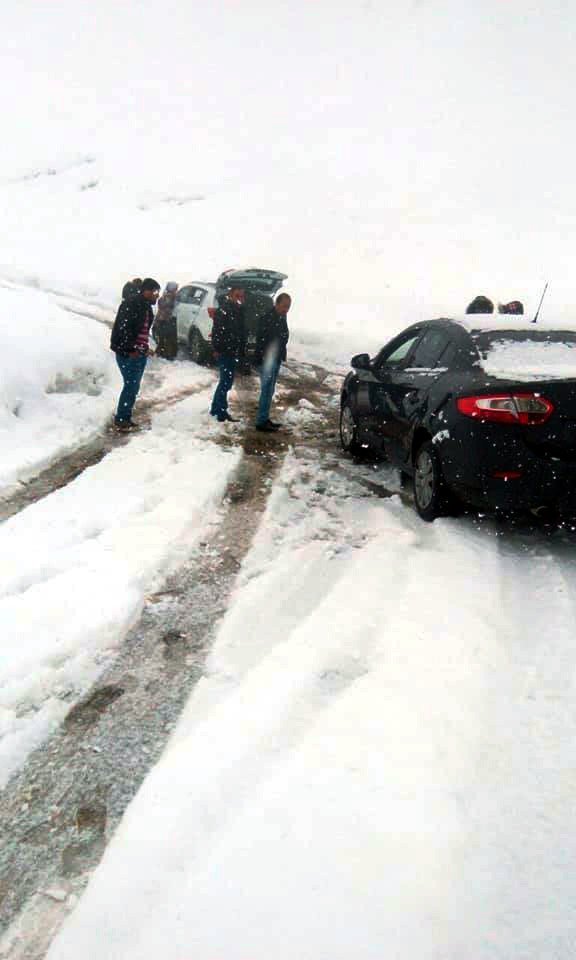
(537, 314)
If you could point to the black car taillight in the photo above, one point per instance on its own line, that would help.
(528, 409)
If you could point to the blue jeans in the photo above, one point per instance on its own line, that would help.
(268, 377)
(227, 366)
(132, 370)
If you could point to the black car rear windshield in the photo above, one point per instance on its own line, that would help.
(485, 340)
(527, 354)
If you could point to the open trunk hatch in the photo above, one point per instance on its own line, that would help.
(253, 280)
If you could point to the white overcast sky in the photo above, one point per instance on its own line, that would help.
(456, 119)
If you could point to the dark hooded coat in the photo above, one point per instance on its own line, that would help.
(132, 314)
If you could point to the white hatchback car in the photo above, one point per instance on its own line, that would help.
(196, 304)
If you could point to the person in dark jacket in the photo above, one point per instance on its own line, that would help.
(515, 307)
(130, 343)
(229, 345)
(480, 305)
(131, 288)
(164, 329)
(270, 353)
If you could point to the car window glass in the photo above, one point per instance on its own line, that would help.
(430, 349)
(198, 296)
(448, 356)
(400, 352)
(185, 295)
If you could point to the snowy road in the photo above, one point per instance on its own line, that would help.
(379, 740)
(380, 731)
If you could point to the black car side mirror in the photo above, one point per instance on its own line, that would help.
(361, 361)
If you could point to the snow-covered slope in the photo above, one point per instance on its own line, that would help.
(377, 155)
(56, 381)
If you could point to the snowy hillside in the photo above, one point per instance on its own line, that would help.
(382, 156)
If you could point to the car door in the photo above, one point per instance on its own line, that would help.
(184, 311)
(194, 307)
(380, 405)
(410, 387)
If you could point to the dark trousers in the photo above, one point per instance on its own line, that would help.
(166, 337)
(227, 366)
(132, 370)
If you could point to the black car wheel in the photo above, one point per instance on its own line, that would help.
(430, 494)
(198, 349)
(348, 429)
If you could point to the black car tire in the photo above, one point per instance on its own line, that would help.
(198, 350)
(348, 430)
(431, 496)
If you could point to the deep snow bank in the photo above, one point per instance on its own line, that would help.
(55, 381)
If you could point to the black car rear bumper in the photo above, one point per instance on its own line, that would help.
(494, 468)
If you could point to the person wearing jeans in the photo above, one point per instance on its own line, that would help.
(219, 408)
(132, 370)
(229, 344)
(269, 370)
(271, 344)
(130, 343)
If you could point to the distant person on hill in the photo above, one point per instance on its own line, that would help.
(270, 353)
(164, 330)
(515, 307)
(131, 288)
(480, 305)
(229, 345)
(130, 343)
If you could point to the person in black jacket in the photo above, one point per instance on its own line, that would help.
(229, 345)
(270, 352)
(130, 343)
(131, 288)
(480, 304)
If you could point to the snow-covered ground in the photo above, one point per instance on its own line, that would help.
(77, 564)
(378, 761)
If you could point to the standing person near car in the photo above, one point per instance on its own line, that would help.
(130, 343)
(164, 329)
(515, 307)
(229, 345)
(272, 338)
(480, 304)
(131, 288)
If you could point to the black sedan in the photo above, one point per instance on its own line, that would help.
(479, 411)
